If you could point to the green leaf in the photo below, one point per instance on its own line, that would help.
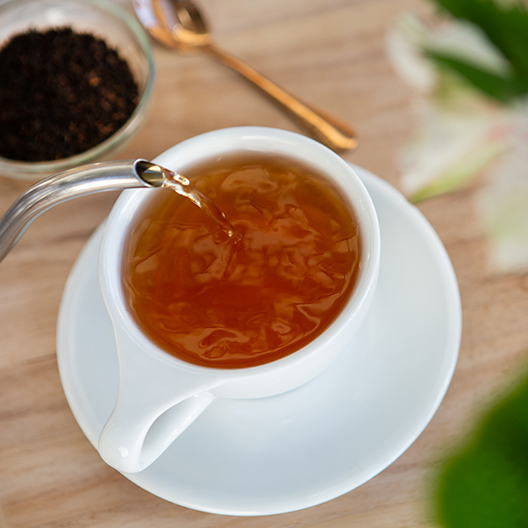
(485, 485)
(504, 89)
(505, 24)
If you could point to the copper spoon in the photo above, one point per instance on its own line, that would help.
(180, 25)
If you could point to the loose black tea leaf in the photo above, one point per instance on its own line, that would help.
(61, 93)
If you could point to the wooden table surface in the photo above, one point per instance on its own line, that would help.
(331, 54)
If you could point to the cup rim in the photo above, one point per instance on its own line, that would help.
(261, 139)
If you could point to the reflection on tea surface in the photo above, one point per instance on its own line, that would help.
(218, 301)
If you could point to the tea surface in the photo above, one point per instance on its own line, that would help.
(247, 300)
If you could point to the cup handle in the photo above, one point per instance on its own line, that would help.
(144, 423)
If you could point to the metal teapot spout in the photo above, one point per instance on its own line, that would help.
(87, 179)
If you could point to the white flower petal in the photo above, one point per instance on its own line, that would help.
(503, 206)
(469, 43)
(407, 58)
(450, 149)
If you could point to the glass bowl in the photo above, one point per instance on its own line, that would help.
(104, 20)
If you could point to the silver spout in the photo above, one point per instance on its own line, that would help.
(151, 174)
(87, 179)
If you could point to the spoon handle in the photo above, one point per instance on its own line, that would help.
(328, 129)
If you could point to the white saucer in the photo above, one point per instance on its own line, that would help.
(289, 452)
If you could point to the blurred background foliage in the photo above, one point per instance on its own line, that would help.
(468, 67)
(484, 484)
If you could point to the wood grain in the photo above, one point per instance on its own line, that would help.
(331, 54)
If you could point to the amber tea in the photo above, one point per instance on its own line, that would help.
(241, 301)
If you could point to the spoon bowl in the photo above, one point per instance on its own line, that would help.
(187, 27)
(179, 24)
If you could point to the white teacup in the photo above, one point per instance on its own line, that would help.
(161, 395)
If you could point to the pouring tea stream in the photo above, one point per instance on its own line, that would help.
(180, 25)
